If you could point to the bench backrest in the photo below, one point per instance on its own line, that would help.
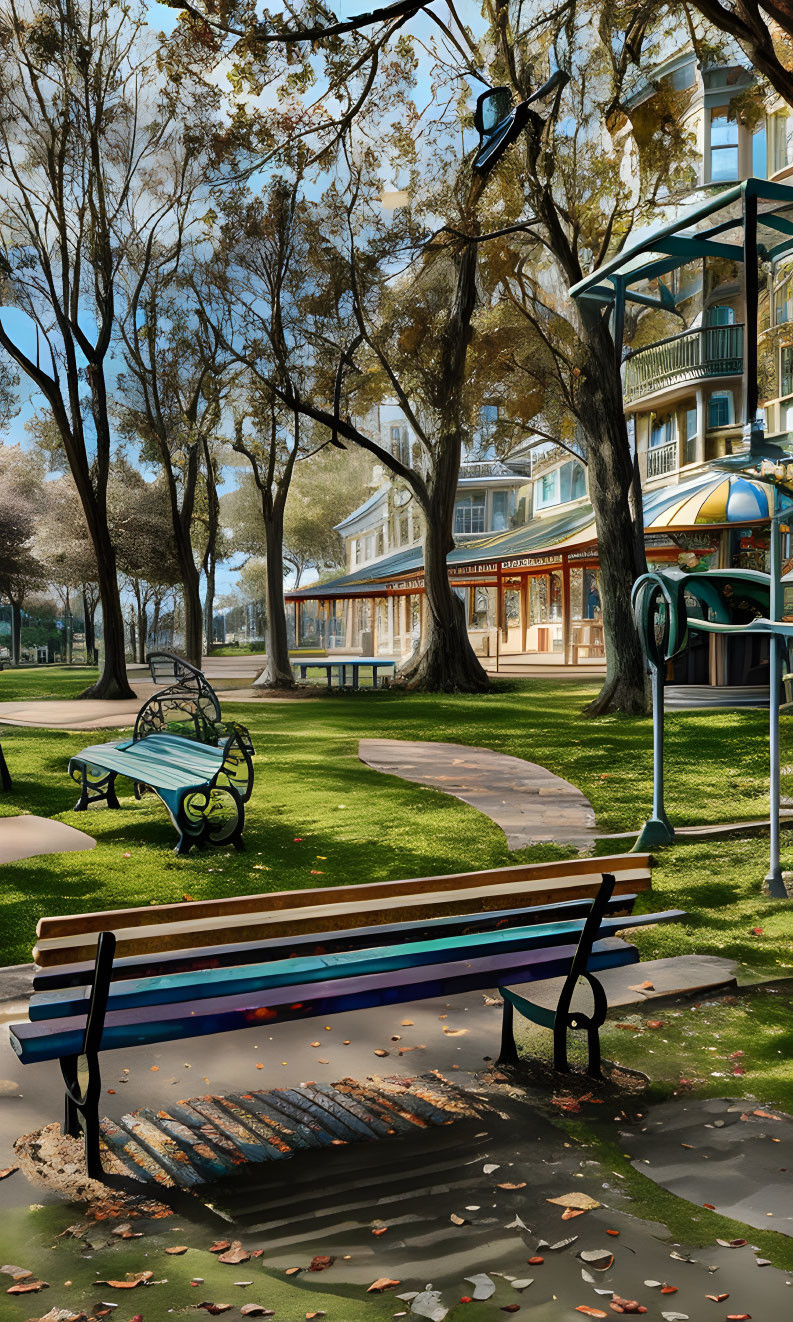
(156, 929)
(188, 698)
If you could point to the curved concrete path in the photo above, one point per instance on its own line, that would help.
(530, 804)
(27, 836)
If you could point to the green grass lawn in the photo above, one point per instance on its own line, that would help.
(319, 817)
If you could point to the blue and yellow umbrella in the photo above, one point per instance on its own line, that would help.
(711, 500)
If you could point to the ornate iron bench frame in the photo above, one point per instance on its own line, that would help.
(189, 700)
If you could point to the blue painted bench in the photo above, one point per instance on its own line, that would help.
(204, 788)
(199, 765)
(136, 977)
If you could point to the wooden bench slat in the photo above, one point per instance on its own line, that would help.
(258, 977)
(355, 938)
(139, 1027)
(181, 935)
(633, 868)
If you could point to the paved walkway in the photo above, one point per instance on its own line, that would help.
(27, 836)
(530, 804)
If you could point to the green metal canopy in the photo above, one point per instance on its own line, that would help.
(752, 219)
(715, 225)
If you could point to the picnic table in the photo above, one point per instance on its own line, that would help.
(340, 664)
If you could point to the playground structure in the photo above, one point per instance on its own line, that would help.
(670, 604)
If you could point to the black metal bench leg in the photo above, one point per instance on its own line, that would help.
(110, 792)
(81, 1111)
(5, 777)
(508, 1055)
(560, 1060)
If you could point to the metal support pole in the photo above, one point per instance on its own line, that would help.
(657, 830)
(751, 431)
(774, 885)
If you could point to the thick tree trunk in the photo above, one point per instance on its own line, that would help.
(446, 662)
(620, 540)
(277, 671)
(16, 632)
(193, 613)
(112, 682)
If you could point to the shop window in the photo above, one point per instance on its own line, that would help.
(538, 600)
(690, 446)
(511, 608)
(786, 370)
(723, 146)
(469, 513)
(483, 608)
(579, 482)
(358, 559)
(566, 483)
(369, 546)
(591, 595)
(720, 410)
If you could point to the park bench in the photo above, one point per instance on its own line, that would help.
(181, 749)
(162, 973)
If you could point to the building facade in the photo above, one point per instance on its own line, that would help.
(525, 562)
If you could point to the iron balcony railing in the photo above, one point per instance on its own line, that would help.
(709, 351)
(662, 460)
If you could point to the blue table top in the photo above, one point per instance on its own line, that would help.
(342, 661)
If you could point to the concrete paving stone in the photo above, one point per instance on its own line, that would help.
(526, 800)
(28, 835)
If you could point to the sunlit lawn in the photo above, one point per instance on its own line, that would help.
(319, 817)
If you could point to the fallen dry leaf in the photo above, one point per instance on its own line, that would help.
(407, 1023)
(256, 1310)
(132, 1280)
(519, 1184)
(590, 1312)
(28, 1286)
(379, 1230)
(455, 1032)
(599, 1259)
(321, 1263)
(612, 1232)
(717, 1298)
(570, 1213)
(177, 1250)
(380, 1052)
(292, 1271)
(9, 1170)
(220, 1246)
(382, 1283)
(535, 1262)
(582, 1201)
(214, 1309)
(235, 1255)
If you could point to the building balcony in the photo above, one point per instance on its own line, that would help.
(708, 351)
(662, 459)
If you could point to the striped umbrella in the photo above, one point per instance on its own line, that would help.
(711, 500)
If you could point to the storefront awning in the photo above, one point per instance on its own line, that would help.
(711, 500)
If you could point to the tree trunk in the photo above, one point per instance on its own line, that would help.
(91, 654)
(620, 541)
(133, 636)
(446, 662)
(16, 632)
(209, 605)
(193, 614)
(112, 682)
(142, 633)
(155, 625)
(277, 671)
(69, 635)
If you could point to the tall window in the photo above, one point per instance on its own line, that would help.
(782, 140)
(759, 153)
(469, 513)
(723, 146)
(400, 444)
(563, 484)
(690, 448)
(720, 412)
(786, 372)
(663, 429)
(500, 511)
